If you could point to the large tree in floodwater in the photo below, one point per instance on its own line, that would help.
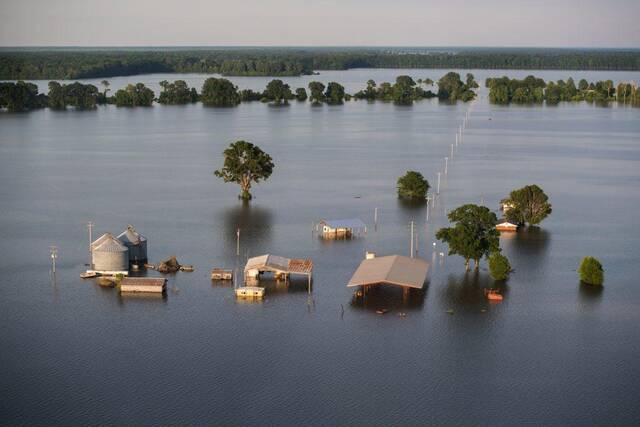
(474, 234)
(528, 205)
(244, 164)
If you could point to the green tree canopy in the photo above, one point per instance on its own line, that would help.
(317, 92)
(591, 271)
(530, 205)
(244, 164)
(499, 266)
(20, 96)
(335, 93)
(219, 92)
(412, 185)
(176, 93)
(301, 94)
(473, 234)
(452, 88)
(278, 91)
(134, 96)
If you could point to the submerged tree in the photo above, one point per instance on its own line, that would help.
(244, 164)
(134, 96)
(335, 93)
(317, 92)
(301, 94)
(499, 266)
(474, 234)
(278, 91)
(412, 185)
(591, 271)
(529, 205)
(219, 93)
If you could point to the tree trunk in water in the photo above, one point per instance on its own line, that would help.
(245, 184)
(476, 264)
(466, 264)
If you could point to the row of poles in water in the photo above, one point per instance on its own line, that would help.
(431, 200)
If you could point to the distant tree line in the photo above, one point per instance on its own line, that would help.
(79, 64)
(504, 90)
(221, 92)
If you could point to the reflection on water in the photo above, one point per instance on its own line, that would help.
(392, 298)
(532, 241)
(467, 291)
(590, 296)
(255, 224)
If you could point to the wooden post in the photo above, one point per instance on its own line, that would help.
(309, 284)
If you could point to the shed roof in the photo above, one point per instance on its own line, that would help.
(108, 243)
(143, 281)
(505, 221)
(278, 263)
(353, 223)
(393, 269)
(131, 236)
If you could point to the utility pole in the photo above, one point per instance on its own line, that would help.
(53, 252)
(238, 242)
(446, 165)
(90, 225)
(438, 190)
(375, 218)
(452, 151)
(411, 239)
(428, 200)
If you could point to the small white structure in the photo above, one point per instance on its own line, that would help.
(506, 225)
(332, 228)
(109, 256)
(250, 292)
(506, 206)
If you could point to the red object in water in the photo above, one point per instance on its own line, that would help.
(493, 295)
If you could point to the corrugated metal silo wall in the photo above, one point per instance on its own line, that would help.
(111, 261)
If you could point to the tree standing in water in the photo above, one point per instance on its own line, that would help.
(530, 205)
(244, 164)
(474, 234)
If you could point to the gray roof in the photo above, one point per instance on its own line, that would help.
(131, 236)
(276, 263)
(109, 243)
(393, 270)
(353, 223)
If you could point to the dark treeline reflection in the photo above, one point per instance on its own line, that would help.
(390, 298)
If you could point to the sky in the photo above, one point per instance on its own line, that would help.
(546, 23)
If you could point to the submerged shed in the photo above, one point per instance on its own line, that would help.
(332, 228)
(143, 284)
(109, 256)
(506, 225)
(136, 243)
(397, 270)
(281, 267)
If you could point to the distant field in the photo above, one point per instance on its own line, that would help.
(76, 63)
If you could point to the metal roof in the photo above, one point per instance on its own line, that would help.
(280, 264)
(130, 235)
(505, 221)
(353, 223)
(108, 243)
(393, 269)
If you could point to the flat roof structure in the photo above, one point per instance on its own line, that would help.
(143, 284)
(395, 270)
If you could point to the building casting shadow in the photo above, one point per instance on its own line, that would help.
(391, 298)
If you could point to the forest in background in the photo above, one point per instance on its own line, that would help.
(70, 63)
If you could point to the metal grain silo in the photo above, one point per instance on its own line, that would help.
(109, 255)
(136, 243)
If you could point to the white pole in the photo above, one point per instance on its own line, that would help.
(446, 165)
(238, 242)
(451, 151)
(438, 190)
(411, 239)
(456, 139)
(427, 209)
(375, 217)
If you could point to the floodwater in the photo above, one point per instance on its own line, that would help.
(553, 352)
